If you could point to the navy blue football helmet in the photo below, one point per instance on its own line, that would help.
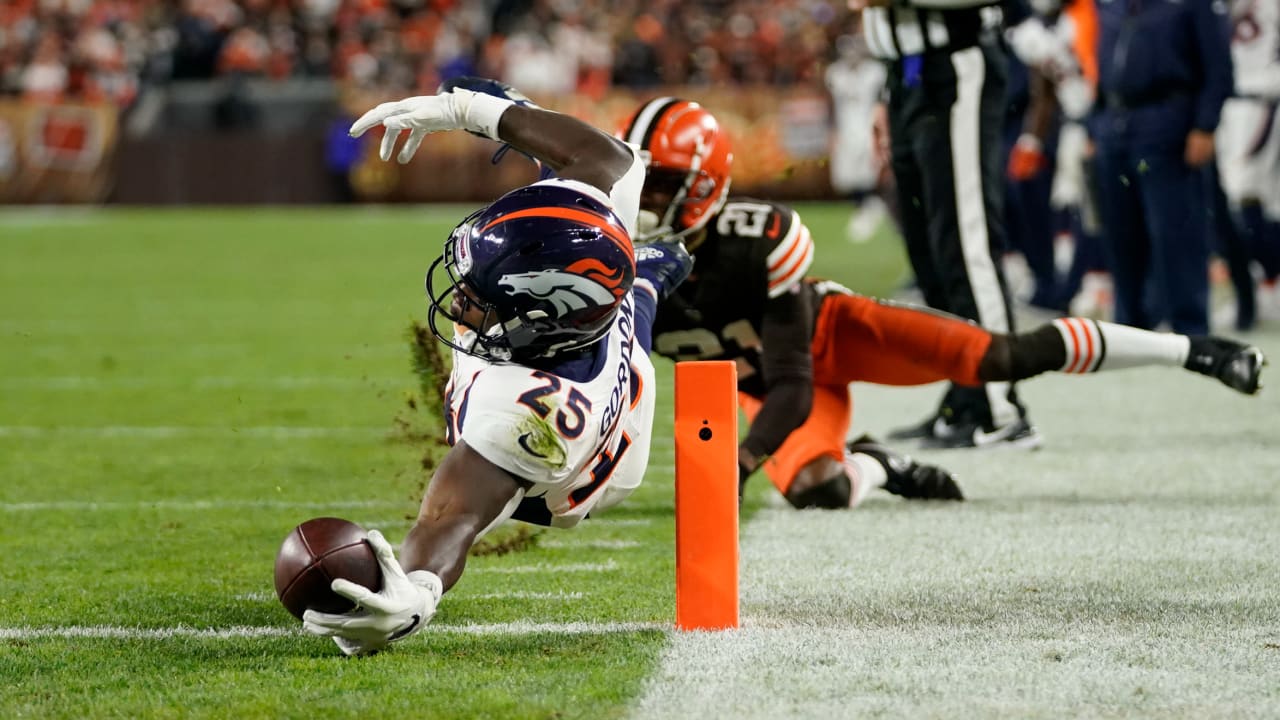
(548, 265)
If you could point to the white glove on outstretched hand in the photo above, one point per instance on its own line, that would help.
(459, 109)
(401, 608)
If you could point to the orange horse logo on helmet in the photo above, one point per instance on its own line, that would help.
(611, 278)
(584, 284)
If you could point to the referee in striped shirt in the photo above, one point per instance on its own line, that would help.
(946, 110)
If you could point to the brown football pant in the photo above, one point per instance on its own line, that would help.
(859, 339)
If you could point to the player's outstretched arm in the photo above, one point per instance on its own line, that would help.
(574, 149)
(467, 494)
(788, 367)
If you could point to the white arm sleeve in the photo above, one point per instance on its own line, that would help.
(626, 191)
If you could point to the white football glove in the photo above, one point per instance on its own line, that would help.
(401, 608)
(459, 109)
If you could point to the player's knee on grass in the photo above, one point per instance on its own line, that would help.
(1022, 355)
(828, 493)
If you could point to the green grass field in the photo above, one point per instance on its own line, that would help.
(179, 388)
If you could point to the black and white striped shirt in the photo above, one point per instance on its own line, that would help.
(897, 31)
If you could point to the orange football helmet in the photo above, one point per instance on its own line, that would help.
(689, 158)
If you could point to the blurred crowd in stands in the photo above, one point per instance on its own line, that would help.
(106, 50)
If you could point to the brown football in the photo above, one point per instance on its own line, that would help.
(317, 552)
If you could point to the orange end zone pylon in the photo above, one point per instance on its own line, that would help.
(706, 495)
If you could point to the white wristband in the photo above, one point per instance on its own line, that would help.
(428, 581)
(480, 113)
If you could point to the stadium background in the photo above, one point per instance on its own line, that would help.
(214, 101)
(180, 386)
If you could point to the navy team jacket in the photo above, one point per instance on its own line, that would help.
(1164, 68)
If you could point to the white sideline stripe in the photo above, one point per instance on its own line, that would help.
(532, 628)
(608, 566)
(128, 633)
(381, 523)
(264, 596)
(113, 632)
(594, 544)
(80, 382)
(273, 432)
(188, 505)
(39, 216)
(525, 595)
(621, 522)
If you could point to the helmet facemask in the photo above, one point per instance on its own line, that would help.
(485, 340)
(695, 198)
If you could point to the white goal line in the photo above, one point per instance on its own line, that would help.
(115, 632)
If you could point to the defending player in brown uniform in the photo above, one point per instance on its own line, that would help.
(799, 341)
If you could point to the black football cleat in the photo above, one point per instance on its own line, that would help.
(929, 428)
(1017, 434)
(1236, 364)
(906, 477)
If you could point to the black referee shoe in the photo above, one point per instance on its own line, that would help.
(931, 427)
(1017, 434)
(936, 433)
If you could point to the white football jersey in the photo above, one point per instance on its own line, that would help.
(855, 89)
(1255, 47)
(1248, 135)
(582, 441)
(1248, 152)
(1052, 50)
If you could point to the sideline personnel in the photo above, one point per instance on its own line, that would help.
(1164, 72)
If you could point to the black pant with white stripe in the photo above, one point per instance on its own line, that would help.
(946, 129)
